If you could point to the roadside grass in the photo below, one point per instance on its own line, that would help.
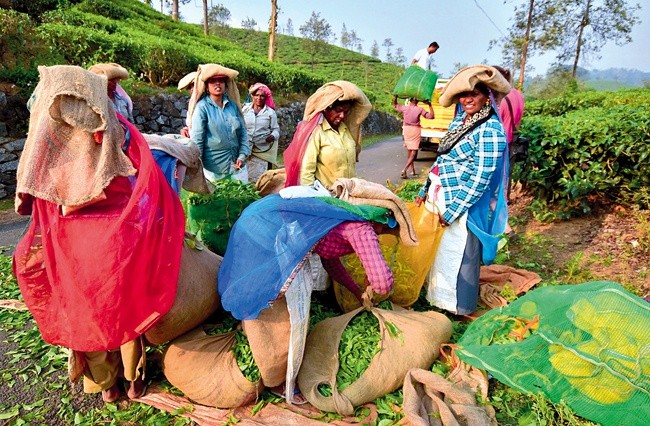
(7, 204)
(373, 139)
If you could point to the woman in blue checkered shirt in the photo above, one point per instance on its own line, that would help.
(465, 189)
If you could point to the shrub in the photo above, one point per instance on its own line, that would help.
(589, 155)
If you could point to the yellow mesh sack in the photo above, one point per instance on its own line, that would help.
(409, 265)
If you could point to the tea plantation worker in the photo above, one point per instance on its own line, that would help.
(218, 127)
(121, 100)
(360, 238)
(511, 111)
(327, 142)
(263, 131)
(466, 188)
(424, 57)
(97, 266)
(187, 83)
(411, 130)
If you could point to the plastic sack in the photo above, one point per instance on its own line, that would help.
(586, 345)
(409, 265)
(416, 83)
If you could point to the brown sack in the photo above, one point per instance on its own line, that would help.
(196, 295)
(417, 345)
(204, 368)
(430, 400)
(268, 337)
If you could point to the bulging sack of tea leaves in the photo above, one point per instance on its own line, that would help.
(268, 336)
(205, 369)
(196, 294)
(409, 265)
(332, 377)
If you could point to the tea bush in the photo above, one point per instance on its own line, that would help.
(581, 154)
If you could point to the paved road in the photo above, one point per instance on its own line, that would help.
(385, 160)
(378, 163)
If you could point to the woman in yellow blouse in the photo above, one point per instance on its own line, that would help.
(327, 142)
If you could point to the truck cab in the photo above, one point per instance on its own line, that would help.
(434, 129)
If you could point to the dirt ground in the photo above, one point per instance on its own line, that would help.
(611, 243)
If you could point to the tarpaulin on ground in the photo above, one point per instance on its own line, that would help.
(267, 243)
(586, 345)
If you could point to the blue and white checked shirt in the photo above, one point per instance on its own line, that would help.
(466, 170)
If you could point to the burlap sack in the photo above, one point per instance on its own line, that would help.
(204, 368)
(416, 345)
(268, 337)
(196, 295)
(430, 400)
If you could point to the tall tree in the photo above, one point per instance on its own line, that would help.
(289, 27)
(374, 49)
(400, 57)
(218, 18)
(355, 41)
(388, 43)
(273, 26)
(317, 33)
(593, 23)
(537, 27)
(249, 23)
(205, 17)
(175, 6)
(345, 37)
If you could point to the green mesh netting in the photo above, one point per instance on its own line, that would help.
(587, 345)
(211, 216)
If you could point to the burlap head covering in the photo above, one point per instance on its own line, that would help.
(465, 80)
(110, 70)
(204, 73)
(73, 148)
(341, 90)
(187, 80)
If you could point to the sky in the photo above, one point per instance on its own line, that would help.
(462, 28)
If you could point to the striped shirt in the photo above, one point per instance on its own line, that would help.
(466, 170)
(359, 238)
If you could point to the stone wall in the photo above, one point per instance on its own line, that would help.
(163, 113)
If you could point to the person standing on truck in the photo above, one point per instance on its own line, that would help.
(424, 57)
(411, 130)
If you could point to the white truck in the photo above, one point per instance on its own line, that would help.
(433, 130)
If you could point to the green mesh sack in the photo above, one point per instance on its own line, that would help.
(587, 345)
(416, 83)
(211, 216)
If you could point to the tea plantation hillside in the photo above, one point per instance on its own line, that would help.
(159, 51)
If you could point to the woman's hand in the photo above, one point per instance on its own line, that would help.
(185, 132)
(419, 200)
(443, 222)
(239, 164)
(270, 138)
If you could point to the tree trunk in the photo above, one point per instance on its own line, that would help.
(583, 23)
(175, 10)
(162, 4)
(205, 17)
(524, 52)
(273, 24)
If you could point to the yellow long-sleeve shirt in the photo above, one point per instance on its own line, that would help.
(329, 155)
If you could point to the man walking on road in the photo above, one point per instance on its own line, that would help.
(424, 57)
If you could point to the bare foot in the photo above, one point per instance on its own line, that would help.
(136, 389)
(111, 394)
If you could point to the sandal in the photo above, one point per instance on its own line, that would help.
(403, 175)
(294, 401)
